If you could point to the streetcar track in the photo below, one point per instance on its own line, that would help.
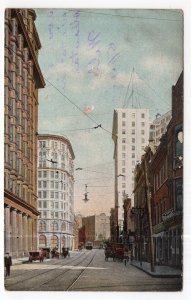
(63, 273)
(39, 274)
(78, 276)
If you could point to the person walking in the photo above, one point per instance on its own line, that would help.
(41, 255)
(8, 264)
(126, 257)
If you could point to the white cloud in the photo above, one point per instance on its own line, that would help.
(66, 69)
(161, 63)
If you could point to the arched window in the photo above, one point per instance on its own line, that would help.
(42, 241)
(63, 228)
(63, 241)
(42, 226)
(54, 226)
(54, 241)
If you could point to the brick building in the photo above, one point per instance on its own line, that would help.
(165, 180)
(167, 170)
(23, 78)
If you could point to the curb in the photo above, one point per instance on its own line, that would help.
(157, 275)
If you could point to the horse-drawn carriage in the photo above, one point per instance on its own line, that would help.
(65, 252)
(33, 256)
(114, 251)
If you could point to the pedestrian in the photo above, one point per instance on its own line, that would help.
(41, 256)
(126, 257)
(8, 264)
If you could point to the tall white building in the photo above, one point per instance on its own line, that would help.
(55, 192)
(158, 126)
(130, 136)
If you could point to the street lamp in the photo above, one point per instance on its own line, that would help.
(139, 211)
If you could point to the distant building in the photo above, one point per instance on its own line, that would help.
(130, 136)
(55, 192)
(159, 126)
(23, 78)
(97, 228)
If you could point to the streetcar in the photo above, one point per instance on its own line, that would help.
(89, 245)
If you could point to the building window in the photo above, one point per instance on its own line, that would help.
(56, 174)
(123, 185)
(143, 140)
(39, 194)
(143, 124)
(56, 185)
(44, 174)
(133, 115)
(123, 141)
(42, 241)
(133, 155)
(54, 226)
(56, 215)
(123, 115)
(44, 204)
(123, 162)
(56, 195)
(42, 226)
(39, 184)
(123, 131)
(44, 184)
(123, 155)
(142, 116)
(123, 123)
(52, 184)
(133, 124)
(44, 194)
(142, 132)
(52, 174)
(133, 131)
(123, 170)
(133, 140)
(133, 147)
(52, 195)
(123, 147)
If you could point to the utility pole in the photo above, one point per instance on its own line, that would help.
(148, 199)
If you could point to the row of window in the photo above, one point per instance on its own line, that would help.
(54, 215)
(142, 124)
(52, 174)
(53, 226)
(52, 144)
(133, 115)
(52, 205)
(52, 185)
(53, 195)
(124, 140)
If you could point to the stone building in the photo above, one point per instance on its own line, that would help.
(97, 228)
(130, 134)
(23, 78)
(55, 192)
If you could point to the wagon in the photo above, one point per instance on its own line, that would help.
(109, 253)
(34, 255)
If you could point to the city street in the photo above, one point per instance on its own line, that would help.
(85, 270)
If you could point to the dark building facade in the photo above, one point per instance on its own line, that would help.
(164, 171)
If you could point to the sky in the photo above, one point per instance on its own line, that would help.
(87, 59)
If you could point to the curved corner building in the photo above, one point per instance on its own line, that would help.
(55, 192)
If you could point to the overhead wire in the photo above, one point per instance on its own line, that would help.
(68, 99)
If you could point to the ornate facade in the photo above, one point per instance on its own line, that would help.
(55, 192)
(23, 78)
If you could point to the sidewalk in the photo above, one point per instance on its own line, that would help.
(160, 271)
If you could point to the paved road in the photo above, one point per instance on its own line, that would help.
(85, 271)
